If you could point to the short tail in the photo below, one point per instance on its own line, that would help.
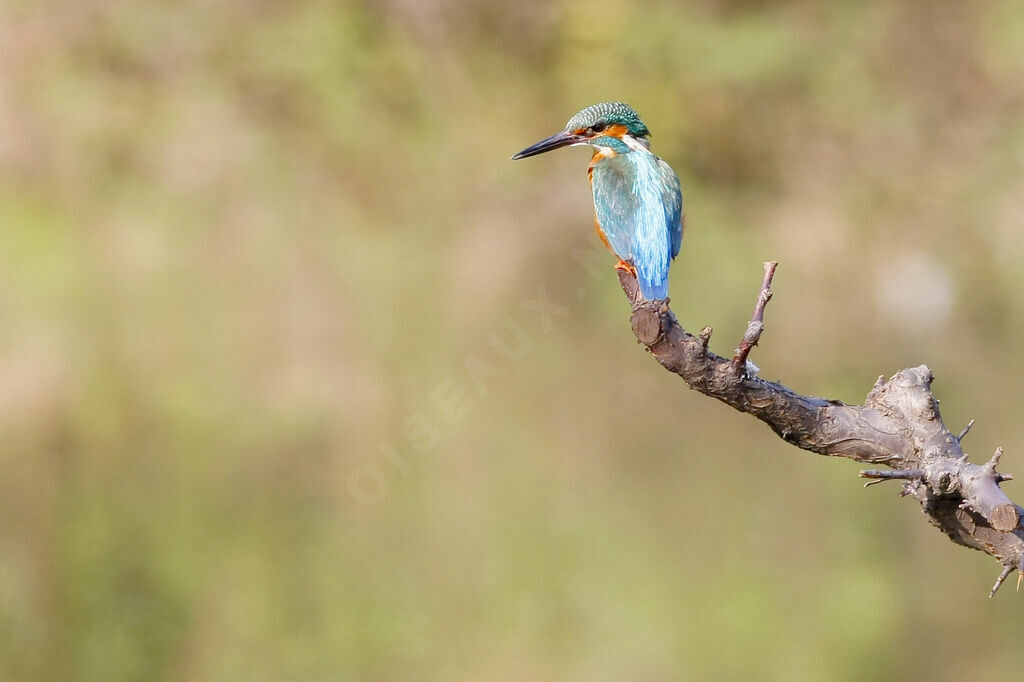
(653, 291)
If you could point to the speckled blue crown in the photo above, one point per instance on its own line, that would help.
(609, 113)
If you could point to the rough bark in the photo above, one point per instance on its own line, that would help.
(898, 426)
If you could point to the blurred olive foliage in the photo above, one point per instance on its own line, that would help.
(278, 402)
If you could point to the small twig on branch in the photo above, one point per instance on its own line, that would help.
(994, 462)
(705, 337)
(963, 434)
(1007, 570)
(756, 324)
(882, 476)
(898, 425)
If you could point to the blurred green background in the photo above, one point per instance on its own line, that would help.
(276, 402)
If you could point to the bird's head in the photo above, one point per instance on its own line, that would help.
(611, 125)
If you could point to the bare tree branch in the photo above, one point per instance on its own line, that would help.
(898, 425)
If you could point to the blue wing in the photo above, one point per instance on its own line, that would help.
(630, 204)
(672, 200)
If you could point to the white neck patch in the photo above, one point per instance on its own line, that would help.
(636, 144)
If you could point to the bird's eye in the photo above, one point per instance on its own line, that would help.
(598, 127)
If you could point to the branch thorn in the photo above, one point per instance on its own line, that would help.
(705, 337)
(963, 433)
(990, 466)
(1000, 580)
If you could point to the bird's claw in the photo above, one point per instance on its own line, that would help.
(625, 267)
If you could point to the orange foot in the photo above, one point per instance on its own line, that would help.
(625, 267)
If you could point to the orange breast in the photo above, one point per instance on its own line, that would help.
(598, 155)
(600, 233)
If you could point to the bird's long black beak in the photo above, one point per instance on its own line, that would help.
(556, 141)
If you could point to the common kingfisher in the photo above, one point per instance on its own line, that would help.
(638, 205)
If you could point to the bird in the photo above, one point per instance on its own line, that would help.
(638, 203)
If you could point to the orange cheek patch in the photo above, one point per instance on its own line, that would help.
(611, 131)
(615, 131)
